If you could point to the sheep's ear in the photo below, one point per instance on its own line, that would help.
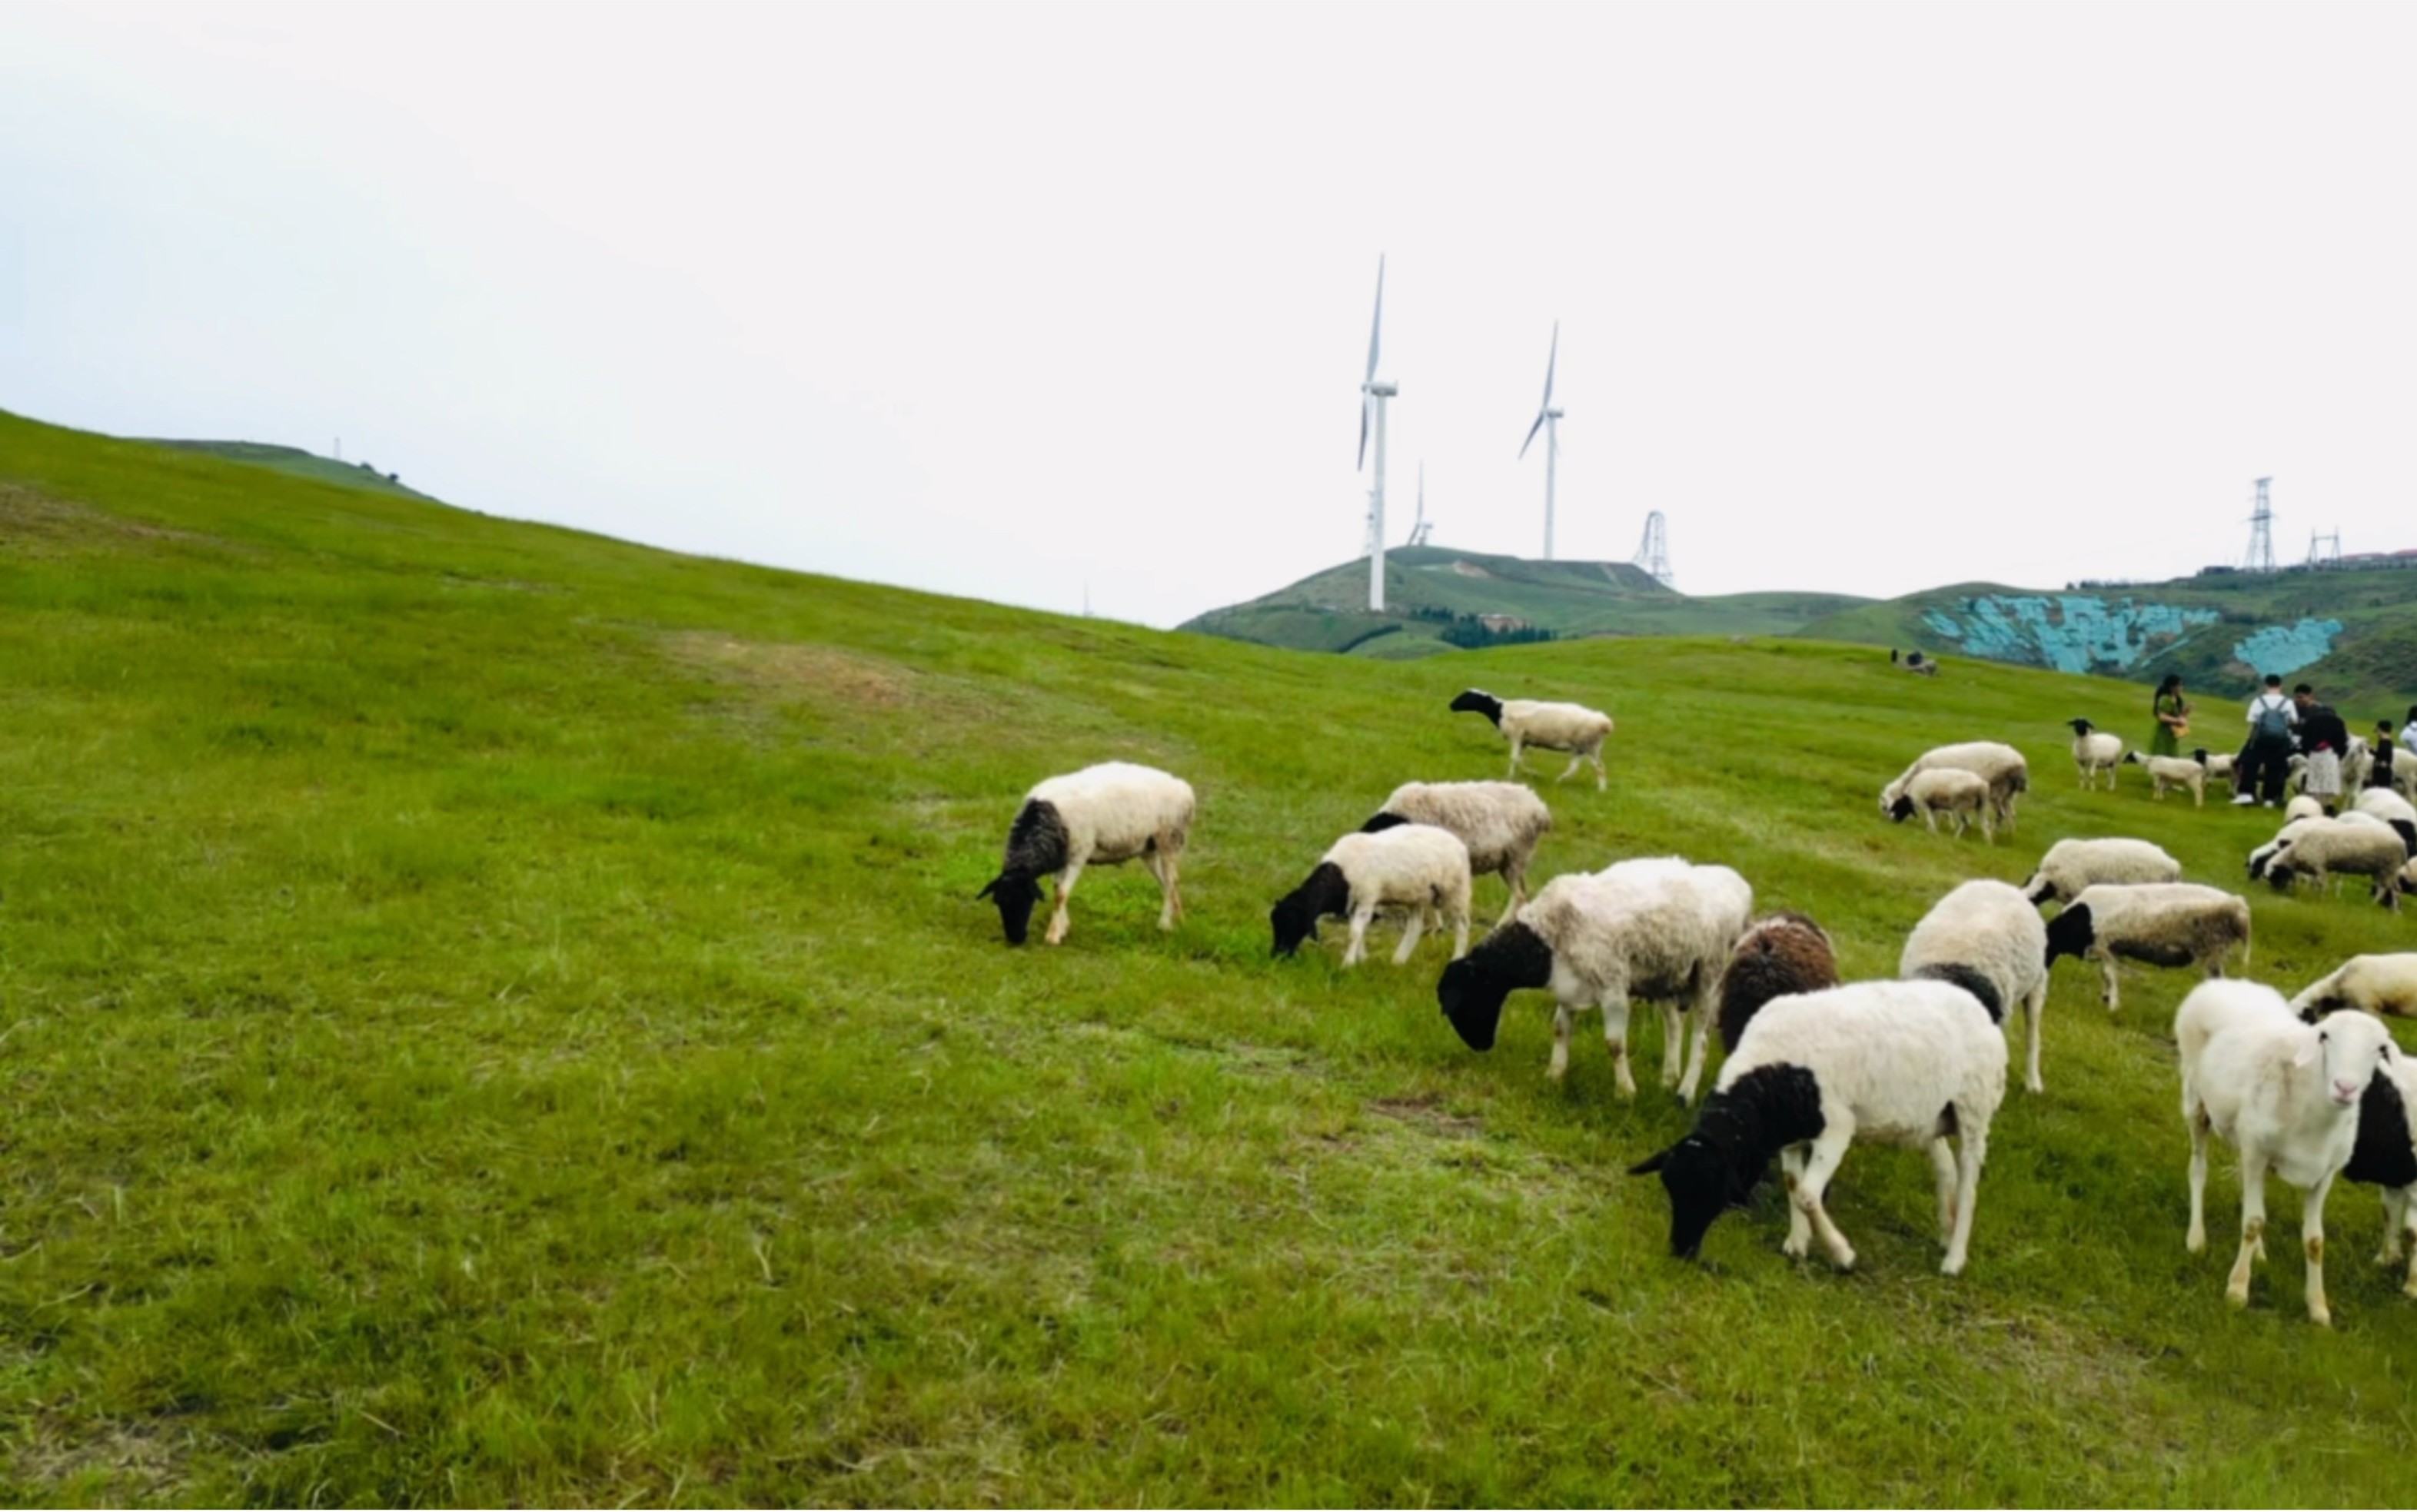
(2308, 1055)
(988, 888)
(1651, 1163)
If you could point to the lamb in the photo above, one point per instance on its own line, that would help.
(1907, 1062)
(1569, 727)
(1102, 814)
(1417, 867)
(2094, 753)
(2001, 766)
(2378, 984)
(2072, 864)
(1654, 928)
(1499, 821)
(2219, 768)
(2348, 846)
(1951, 791)
(1782, 955)
(2287, 1095)
(1986, 934)
(2163, 924)
(2172, 772)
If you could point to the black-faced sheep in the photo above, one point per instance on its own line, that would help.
(2162, 924)
(2384, 983)
(1990, 931)
(2001, 765)
(1099, 815)
(1569, 727)
(1415, 868)
(2094, 752)
(1961, 795)
(1499, 821)
(2168, 772)
(2072, 864)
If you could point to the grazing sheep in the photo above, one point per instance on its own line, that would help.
(1905, 1063)
(1569, 727)
(2355, 846)
(1654, 927)
(1782, 955)
(2385, 1156)
(1099, 815)
(2172, 772)
(1499, 821)
(2285, 1094)
(2094, 753)
(2072, 864)
(2303, 807)
(2219, 768)
(1417, 867)
(1991, 932)
(2395, 810)
(2379, 984)
(1951, 791)
(2163, 924)
(2001, 765)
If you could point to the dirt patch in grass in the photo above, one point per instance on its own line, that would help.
(36, 524)
(795, 672)
(1425, 1113)
(131, 1460)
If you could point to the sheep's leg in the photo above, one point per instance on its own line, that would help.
(1699, 1042)
(1800, 1229)
(1515, 876)
(2395, 1218)
(1575, 761)
(1057, 934)
(1820, 1166)
(1602, 779)
(1562, 1017)
(1410, 932)
(1164, 858)
(2198, 793)
(1460, 931)
(1929, 815)
(2312, 1239)
(1516, 746)
(1615, 1035)
(2107, 963)
(2033, 1006)
(2253, 1223)
(1361, 918)
(2197, 1118)
(1674, 1042)
(1988, 824)
(1972, 1150)
(1942, 1166)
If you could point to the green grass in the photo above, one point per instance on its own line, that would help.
(295, 462)
(495, 1015)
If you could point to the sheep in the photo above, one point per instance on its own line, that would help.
(2072, 864)
(1654, 928)
(2287, 1095)
(1991, 931)
(2355, 846)
(1780, 955)
(2001, 766)
(1951, 791)
(2094, 753)
(2391, 808)
(1102, 814)
(2171, 772)
(2378, 984)
(1416, 867)
(1569, 727)
(2219, 768)
(2303, 807)
(2385, 1155)
(2163, 924)
(1907, 1062)
(1499, 821)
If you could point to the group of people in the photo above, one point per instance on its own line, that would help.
(2279, 728)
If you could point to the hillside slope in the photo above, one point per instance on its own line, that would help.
(495, 1015)
(297, 462)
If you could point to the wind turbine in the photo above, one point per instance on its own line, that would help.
(1372, 398)
(1420, 529)
(1548, 420)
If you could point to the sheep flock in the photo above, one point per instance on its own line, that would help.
(2312, 1088)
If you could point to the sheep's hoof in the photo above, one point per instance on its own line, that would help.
(2196, 1244)
(2237, 1295)
(1952, 1265)
(2321, 1316)
(1846, 1262)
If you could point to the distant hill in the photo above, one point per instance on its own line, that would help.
(295, 461)
(2351, 631)
(1435, 592)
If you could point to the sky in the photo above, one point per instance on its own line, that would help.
(1041, 304)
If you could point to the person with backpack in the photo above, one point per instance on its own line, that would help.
(2324, 740)
(2265, 762)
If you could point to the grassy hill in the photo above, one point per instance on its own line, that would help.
(1427, 585)
(496, 1015)
(296, 462)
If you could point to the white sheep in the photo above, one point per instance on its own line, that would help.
(2094, 752)
(2001, 765)
(1987, 938)
(1951, 791)
(1099, 815)
(1569, 727)
(1499, 821)
(2163, 924)
(1904, 1063)
(2072, 864)
(2385, 984)
(2287, 1095)
(2354, 845)
(1654, 927)
(2303, 807)
(1416, 867)
(2219, 768)
(2172, 772)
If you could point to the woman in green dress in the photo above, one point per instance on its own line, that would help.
(2173, 716)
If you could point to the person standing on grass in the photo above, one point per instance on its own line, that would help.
(2172, 712)
(2265, 762)
(2323, 740)
(2409, 730)
(2379, 775)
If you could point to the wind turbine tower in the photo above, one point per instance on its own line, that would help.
(1548, 420)
(2261, 534)
(1653, 551)
(1373, 396)
(1423, 527)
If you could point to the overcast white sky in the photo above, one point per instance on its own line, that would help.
(1009, 300)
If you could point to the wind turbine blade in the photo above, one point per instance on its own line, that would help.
(1364, 431)
(1551, 357)
(1532, 432)
(1378, 324)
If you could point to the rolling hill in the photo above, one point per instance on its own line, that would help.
(496, 1015)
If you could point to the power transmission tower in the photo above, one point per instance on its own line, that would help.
(2325, 551)
(2261, 534)
(1653, 552)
